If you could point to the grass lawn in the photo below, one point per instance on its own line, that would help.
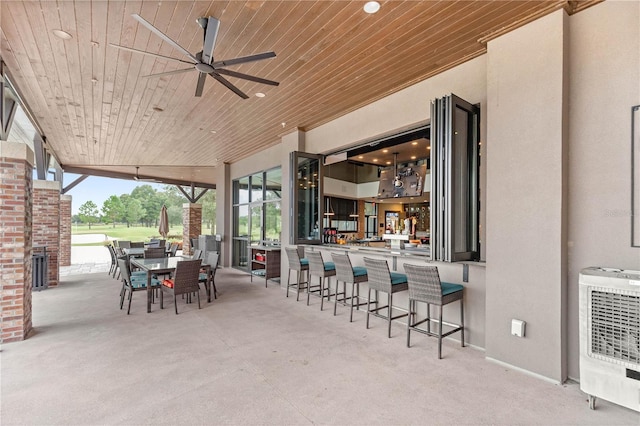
(121, 232)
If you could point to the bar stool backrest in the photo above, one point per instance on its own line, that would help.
(293, 256)
(344, 270)
(379, 274)
(316, 264)
(424, 283)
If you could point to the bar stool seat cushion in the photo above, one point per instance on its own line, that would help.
(398, 278)
(304, 262)
(329, 266)
(359, 271)
(448, 288)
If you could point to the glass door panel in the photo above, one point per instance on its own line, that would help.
(306, 196)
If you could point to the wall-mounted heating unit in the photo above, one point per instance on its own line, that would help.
(610, 336)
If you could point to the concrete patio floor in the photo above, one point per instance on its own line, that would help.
(256, 357)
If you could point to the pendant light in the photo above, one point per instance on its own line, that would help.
(329, 211)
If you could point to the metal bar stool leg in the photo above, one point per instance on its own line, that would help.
(461, 323)
(440, 335)
(288, 282)
(353, 296)
(390, 309)
(409, 323)
(368, 306)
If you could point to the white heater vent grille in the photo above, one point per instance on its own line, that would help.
(615, 326)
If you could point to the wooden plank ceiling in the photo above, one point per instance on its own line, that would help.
(100, 114)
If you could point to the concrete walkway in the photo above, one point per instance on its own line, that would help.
(254, 356)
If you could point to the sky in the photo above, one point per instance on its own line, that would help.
(98, 189)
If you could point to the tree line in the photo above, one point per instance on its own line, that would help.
(142, 207)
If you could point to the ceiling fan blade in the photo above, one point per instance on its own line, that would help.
(160, 74)
(148, 53)
(244, 59)
(247, 77)
(210, 36)
(164, 37)
(228, 85)
(200, 86)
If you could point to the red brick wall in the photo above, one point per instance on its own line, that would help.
(15, 248)
(64, 255)
(46, 224)
(191, 225)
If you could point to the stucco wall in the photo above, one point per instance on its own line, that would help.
(604, 85)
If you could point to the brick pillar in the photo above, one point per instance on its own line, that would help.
(191, 225)
(46, 224)
(16, 170)
(64, 255)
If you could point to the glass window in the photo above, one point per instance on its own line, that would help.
(272, 221)
(306, 197)
(241, 221)
(273, 184)
(256, 223)
(241, 191)
(256, 187)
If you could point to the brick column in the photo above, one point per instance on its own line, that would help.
(64, 255)
(46, 224)
(16, 170)
(191, 225)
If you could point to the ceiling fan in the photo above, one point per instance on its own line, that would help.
(203, 61)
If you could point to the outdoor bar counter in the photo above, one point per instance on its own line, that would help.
(455, 272)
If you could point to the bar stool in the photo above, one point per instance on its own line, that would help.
(323, 270)
(381, 279)
(425, 286)
(296, 264)
(348, 274)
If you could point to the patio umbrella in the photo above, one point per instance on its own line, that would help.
(163, 228)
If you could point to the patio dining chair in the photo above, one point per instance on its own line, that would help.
(185, 281)
(205, 278)
(136, 244)
(154, 253)
(132, 284)
(124, 244)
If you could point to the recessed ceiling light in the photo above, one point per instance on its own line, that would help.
(61, 34)
(371, 6)
(283, 124)
(413, 157)
(388, 162)
(414, 143)
(375, 160)
(213, 131)
(260, 95)
(385, 150)
(428, 147)
(360, 157)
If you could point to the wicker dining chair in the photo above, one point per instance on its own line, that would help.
(137, 244)
(381, 279)
(173, 249)
(124, 244)
(348, 274)
(299, 265)
(425, 286)
(132, 284)
(114, 264)
(154, 253)
(323, 270)
(185, 281)
(210, 277)
(197, 254)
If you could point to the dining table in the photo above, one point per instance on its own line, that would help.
(134, 252)
(166, 265)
